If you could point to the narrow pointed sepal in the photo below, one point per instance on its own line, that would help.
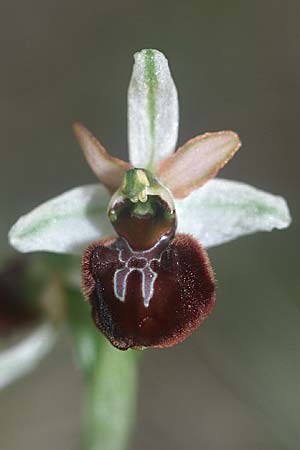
(153, 113)
(178, 282)
(197, 161)
(108, 169)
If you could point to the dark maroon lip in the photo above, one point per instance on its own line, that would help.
(183, 291)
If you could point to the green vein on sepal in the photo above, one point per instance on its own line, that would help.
(152, 83)
(36, 228)
(260, 209)
(223, 210)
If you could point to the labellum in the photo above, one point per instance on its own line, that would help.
(147, 287)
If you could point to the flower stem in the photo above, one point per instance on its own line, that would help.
(110, 379)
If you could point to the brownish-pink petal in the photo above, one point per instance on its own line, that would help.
(108, 169)
(197, 161)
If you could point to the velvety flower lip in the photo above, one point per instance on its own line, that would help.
(154, 194)
(183, 296)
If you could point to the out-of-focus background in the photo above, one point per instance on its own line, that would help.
(235, 384)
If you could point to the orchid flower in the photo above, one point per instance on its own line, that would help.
(147, 224)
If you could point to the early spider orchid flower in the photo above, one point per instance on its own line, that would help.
(147, 277)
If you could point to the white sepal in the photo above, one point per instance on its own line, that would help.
(223, 210)
(64, 224)
(153, 113)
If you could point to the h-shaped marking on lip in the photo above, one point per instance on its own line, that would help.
(130, 259)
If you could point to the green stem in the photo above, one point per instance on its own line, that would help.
(111, 382)
(111, 400)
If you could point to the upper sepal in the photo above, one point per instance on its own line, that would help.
(153, 113)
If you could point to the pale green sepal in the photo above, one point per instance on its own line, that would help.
(23, 357)
(64, 224)
(153, 113)
(223, 210)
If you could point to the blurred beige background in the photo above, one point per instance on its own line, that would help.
(234, 385)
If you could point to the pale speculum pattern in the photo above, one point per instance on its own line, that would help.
(144, 261)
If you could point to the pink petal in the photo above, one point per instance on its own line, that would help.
(197, 161)
(108, 169)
